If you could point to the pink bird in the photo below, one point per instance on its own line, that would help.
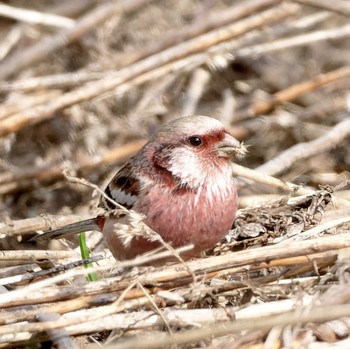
(181, 181)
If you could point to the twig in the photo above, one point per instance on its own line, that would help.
(10, 182)
(87, 23)
(86, 183)
(179, 297)
(59, 337)
(47, 272)
(316, 314)
(52, 81)
(198, 84)
(155, 307)
(293, 92)
(336, 6)
(304, 151)
(19, 295)
(325, 107)
(35, 17)
(202, 25)
(294, 41)
(177, 274)
(253, 256)
(29, 225)
(8, 109)
(62, 307)
(10, 41)
(63, 322)
(263, 178)
(35, 254)
(147, 319)
(228, 108)
(191, 47)
(69, 8)
(316, 231)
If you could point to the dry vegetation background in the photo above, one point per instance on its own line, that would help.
(84, 83)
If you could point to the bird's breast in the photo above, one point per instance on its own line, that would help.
(200, 216)
(181, 216)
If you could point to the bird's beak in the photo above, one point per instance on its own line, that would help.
(229, 147)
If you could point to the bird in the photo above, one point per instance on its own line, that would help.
(182, 184)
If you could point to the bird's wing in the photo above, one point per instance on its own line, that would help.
(124, 189)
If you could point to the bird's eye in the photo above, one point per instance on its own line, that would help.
(195, 141)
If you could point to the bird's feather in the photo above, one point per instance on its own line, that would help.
(124, 189)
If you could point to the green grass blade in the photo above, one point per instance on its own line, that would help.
(85, 254)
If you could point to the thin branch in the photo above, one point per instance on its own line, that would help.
(263, 178)
(60, 337)
(175, 274)
(16, 180)
(10, 41)
(294, 41)
(84, 25)
(191, 47)
(336, 6)
(212, 21)
(198, 84)
(302, 151)
(315, 314)
(29, 225)
(35, 17)
(316, 231)
(155, 307)
(293, 92)
(32, 255)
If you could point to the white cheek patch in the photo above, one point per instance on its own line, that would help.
(123, 198)
(186, 165)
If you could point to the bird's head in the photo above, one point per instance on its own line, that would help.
(192, 149)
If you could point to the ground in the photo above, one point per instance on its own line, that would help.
(82, 91)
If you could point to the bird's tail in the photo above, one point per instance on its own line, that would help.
(71, 229)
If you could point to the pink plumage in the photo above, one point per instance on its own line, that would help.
(181, 181)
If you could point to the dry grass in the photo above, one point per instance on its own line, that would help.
(83, 84)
